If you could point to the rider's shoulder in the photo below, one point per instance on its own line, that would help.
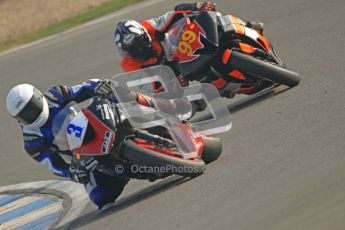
(130, 64)
(159, 23)
(32, 133)
(60, 89)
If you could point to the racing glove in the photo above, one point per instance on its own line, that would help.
(80, 170)
(79, 175)
(202, 7)
(103, 88)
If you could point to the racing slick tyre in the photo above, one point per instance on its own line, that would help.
(212, 149)
(247, 63)
(142, 156)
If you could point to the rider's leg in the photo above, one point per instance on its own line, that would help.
(230, 89)
(234, 82)
(103, 190)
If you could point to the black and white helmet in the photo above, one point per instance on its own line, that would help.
(28, 105)
(132, 39)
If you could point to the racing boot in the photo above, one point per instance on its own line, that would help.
(106, 207)
(255, 88)
(230, 89)
(256, 25)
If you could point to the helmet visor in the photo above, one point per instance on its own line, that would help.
(140, 47)
(32, 109)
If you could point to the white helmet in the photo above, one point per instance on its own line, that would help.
(28, 105)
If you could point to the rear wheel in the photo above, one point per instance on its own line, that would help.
(267, 70)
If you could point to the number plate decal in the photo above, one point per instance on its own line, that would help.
(76, 131)
(190, 42)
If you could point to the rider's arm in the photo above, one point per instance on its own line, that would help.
(36, 147)
(187, 7)
(156, 26)
(129, 64)
(63, 94)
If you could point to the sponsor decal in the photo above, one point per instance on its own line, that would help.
(30, 138)
(106, 142)
(100, 108)
(106, 111)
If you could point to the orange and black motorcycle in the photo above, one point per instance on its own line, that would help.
(208, 44)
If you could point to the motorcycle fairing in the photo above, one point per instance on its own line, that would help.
(185, 134)
(76, 131)
(98, 139)
(196, 52)
(102, 120)
(200, 144)
(193, 29)
(232, 25)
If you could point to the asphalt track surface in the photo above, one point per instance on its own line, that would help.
(283, 161)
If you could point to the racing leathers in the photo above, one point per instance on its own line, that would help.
(157, 27)
(40, 144)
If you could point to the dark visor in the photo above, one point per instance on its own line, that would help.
(32, 109)
(140, 47)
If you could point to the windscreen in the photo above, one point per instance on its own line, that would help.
(60, 124)
(171, 107)
(172, 37)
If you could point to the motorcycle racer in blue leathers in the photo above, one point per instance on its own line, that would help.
(36, 112)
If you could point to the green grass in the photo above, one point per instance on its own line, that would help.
(67, 23)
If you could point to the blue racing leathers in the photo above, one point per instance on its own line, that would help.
(39, 142)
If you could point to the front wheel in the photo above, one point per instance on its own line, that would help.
(140, 155)
(260, 68)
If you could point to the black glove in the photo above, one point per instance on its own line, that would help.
(79, 175)
(202, 7)
(104, 88)
(80, 170)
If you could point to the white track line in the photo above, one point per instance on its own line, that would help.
(18, 203)
(32, 216)
(75, 191)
